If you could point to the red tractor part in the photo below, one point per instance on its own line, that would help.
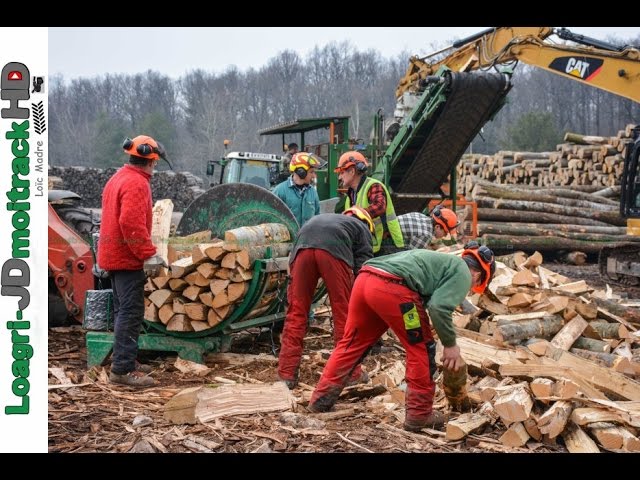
(70, 265)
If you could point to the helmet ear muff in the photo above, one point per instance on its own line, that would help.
(301, 172)
(361, 167)
(127, 144)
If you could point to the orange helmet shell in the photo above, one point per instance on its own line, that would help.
(303, 160)
(143, 140)
(350, 159)
(362, 214)
(446, 218)
(486, 259)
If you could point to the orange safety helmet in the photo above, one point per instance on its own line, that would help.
(143, 146)
(446, 218)
(304, 161)
(475, 254)
(360, 213)
(352, 159)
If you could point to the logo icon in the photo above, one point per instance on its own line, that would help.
(14, 75)
(38, 85)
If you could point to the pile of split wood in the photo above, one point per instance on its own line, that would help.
(556, 359)
(208, 278)
(582, 160)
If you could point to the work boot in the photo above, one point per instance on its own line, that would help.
(143, 367)
(133, 379)
(363, 378)
(291, 384)
(434, 420)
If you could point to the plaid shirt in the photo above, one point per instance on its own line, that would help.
(417, 229)
(376, 196)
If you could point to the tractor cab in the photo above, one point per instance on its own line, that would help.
(261, 169)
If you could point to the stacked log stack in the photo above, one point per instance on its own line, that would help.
(566, 200)
(209, 279)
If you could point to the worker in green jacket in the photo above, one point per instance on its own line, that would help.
(392, 292)
(373, 196)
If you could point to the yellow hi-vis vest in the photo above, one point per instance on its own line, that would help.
(362, 200)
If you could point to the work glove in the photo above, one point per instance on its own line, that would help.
(152, 265)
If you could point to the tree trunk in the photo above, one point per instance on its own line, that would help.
(520, 229)
(264, 234)
(585, 139)
(539, 328)
(540, 243)
(630, 314)
(502, 215)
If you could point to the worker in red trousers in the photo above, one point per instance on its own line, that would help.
(392, 292)
(332, 247)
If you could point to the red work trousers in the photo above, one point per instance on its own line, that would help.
(375, 306)
(309, 265)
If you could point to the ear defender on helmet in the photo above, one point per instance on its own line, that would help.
(301, 162)
(143, 146)
(361, 214)
(484, 257)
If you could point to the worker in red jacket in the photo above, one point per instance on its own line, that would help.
(125, 250)
(392, 291)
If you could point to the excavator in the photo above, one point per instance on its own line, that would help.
(590, 61)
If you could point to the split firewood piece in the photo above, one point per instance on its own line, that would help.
(192, 292)
(224, 312)
(166, 312)
(196, 311)
(541, 388)
(515, 436)
(199, 252)
(577, 441)
(181, 267)
(614, 437)
(514, 405)
(213, 318)
(149, 286)
(160, 297)
(236, 291)
(242, 259)
(198, 326)
(609, 360)
(588, 311)
(520, 300)
(554, 420)
(220, 300)
(179, 323)
(161, 282)
(177, 284)
(240, 275)
(523, 278)
(569, 333)
(150, 311)
(207, 270)
(464, 425)
(577, 288)
(218, 285)
(533, 261)
(206, 298)
(223, 273)
(178, 305)
(229, 261)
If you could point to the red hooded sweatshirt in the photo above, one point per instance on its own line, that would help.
(125, 229)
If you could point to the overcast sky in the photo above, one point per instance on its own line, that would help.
(90, 51)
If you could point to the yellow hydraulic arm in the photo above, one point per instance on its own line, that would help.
(614, 70)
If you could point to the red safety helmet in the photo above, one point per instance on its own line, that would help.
(446, 218)
(143, 146)
(484, 257)
(352, 159)
(362, 214)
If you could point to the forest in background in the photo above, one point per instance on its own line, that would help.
(191, 116)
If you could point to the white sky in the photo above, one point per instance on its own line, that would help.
(90, 51)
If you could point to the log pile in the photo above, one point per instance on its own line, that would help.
(582, 160)
(209, 278)
(561, 359)
(527, 218)
(181, 187)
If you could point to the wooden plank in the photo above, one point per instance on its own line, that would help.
(569, 333)
(201, 404)
(161, 227)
